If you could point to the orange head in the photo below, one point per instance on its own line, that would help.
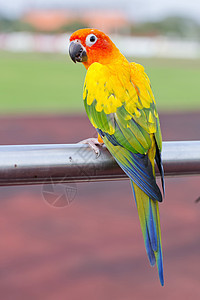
(91, 45)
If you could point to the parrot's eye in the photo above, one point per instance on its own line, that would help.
(91, 40)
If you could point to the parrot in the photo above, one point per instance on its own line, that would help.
(120, 104)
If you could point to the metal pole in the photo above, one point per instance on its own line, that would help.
(39, 164)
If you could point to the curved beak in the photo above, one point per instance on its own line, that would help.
(77, 52)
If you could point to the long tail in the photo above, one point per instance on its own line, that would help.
(150, 223)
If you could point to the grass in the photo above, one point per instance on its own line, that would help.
(51, 83)
(40, 83)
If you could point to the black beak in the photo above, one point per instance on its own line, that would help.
(77, 52)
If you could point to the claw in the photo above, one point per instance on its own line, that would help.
(92, 142)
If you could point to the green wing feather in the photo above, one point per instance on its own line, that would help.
(109, 100)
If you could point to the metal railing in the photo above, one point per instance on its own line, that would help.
(39, 164)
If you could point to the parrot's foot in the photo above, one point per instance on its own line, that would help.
(93, 142)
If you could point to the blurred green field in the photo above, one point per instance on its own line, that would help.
(50, 83)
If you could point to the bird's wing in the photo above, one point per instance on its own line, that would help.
(143, 86)
(121, 106)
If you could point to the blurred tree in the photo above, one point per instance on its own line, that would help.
(71, 27)
(171, 26)
(10, 25)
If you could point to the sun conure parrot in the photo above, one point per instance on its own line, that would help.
(120, 104)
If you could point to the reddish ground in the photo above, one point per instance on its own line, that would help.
(93, 249)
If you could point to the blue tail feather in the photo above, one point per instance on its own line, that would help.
(149, 220)
(152, 228)
(149, 249)
(160, 265)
